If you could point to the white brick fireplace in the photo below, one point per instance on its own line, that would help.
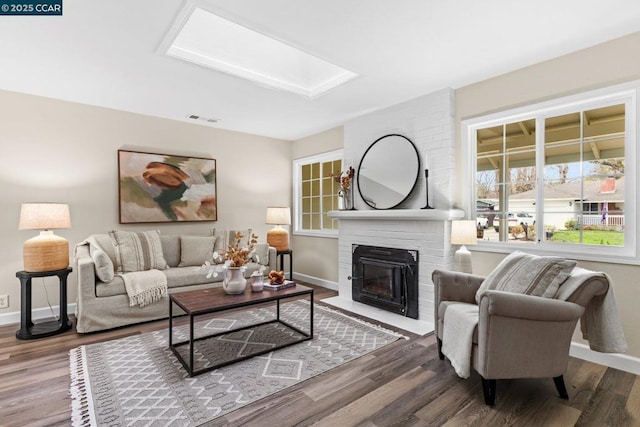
(428, 123)
(426, 231)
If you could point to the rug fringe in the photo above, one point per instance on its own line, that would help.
(363, 322)
(81, 403)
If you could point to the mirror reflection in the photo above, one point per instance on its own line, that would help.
(388, 171)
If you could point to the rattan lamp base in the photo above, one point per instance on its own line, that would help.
(278, 237)
(45, 252)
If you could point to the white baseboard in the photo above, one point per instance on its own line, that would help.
(36, 314)
(316, 281)
(612, 360)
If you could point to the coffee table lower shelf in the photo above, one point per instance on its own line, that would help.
(214, 351)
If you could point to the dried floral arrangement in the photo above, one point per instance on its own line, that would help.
(236, 256)
(344, 178)
(233, 256)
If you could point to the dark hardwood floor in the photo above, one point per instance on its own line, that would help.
(402, 384)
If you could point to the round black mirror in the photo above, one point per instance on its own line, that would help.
(388, 171)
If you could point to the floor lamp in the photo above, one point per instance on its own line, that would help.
(463, 232)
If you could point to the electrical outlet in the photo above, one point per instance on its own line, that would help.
(4, 301)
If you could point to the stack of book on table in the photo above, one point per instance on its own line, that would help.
(277, 287)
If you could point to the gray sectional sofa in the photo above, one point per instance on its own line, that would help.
(105, 304)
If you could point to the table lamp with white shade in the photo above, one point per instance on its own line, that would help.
(463, 232)
(45, 252)
(278, 237)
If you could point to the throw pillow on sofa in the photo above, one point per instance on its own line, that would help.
(171, 249)
(196, 250)
(528, 274)
(104, 266)
(137, 251)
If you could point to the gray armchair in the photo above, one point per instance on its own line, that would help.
(517, 335)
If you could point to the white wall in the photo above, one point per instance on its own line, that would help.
(428, 122)
(600, 66)
(65, 152)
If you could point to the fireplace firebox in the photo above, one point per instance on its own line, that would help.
(386, 278)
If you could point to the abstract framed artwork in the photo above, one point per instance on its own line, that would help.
(155, 187)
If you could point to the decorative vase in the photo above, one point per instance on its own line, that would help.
(234, 282)
(256, 282)
(345, 201)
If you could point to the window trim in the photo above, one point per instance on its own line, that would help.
(624, 93)
(297, 192)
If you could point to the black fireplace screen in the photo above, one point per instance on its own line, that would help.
(386, 278)
(379, 278)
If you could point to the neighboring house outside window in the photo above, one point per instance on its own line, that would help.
(316, 193)
(552, 176)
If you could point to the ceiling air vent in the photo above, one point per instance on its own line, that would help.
(202, 119)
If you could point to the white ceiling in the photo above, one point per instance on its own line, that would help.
(105, 53)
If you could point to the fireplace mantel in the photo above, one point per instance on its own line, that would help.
(399, 214)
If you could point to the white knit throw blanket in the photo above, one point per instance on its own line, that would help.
(600, 324)
(145, 287)
(460, 320)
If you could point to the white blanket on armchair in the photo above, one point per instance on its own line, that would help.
(600, 324)
(460, 321)
(145, 287)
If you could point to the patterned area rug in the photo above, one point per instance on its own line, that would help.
(138, 381)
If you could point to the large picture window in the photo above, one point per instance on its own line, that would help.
(557, 176)
(316, 193)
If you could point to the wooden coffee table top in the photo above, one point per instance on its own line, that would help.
(216, 299)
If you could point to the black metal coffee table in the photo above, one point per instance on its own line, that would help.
(207, 301)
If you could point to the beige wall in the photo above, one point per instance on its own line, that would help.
(65, 152)
(317, 256)
(599, 66)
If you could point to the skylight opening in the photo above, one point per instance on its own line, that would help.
(214, 42)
